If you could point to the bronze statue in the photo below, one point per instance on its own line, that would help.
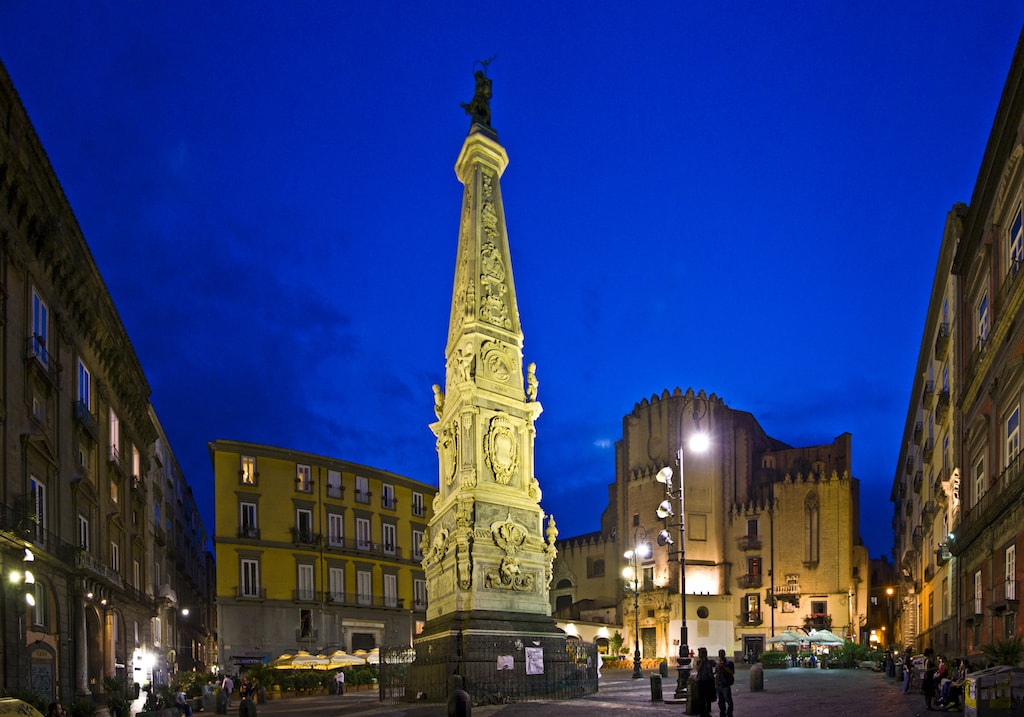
(479, 108)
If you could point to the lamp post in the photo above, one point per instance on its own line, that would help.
(641, 551)
(699, 442)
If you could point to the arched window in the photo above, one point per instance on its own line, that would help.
(811, 529)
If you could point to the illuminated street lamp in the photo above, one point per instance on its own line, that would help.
(642, 551)
(699, 443)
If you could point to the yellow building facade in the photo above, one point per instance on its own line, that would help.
(314, 553)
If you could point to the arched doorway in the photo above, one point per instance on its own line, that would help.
(94, 631)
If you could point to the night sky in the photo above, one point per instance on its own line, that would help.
(745, 198)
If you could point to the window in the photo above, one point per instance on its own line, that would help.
(305, 585)
(647, 578)
(362, 490)
(979, 482)
(158, 633)
(1012, 435)
(387, 498)
(336, 584)
(419, 593)
(364, 587)
(752, 527)
(247, 519)
(40, 328)
(595, 568)
(335, 530)
(136, 574)
(811, 529)
(417, 538)
(944, 608)
(334, 489)
(1010, 571)
(249, 578)
(136, 463)
(931, 609)
(977, 593)
(388, 533)
(40, 610)
(390, 591)
(248, 470)
(983, 318)
(1015, 242)
(115, 437)
(754, 566)
(83, 533)
(305, 623)
(363, 533)
(303, 479)
(417, 505)
(38, 492)
(303, 525)
(115, 488)
(752, 603)
(115, 557)
(84, 386)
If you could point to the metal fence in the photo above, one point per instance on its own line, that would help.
(568, 678)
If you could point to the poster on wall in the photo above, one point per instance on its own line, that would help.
(504, 662)
(535, 660)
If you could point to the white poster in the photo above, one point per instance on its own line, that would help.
(505, 662)
(535, 660)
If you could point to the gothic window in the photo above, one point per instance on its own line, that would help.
(811, 529)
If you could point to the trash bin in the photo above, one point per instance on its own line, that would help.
(989, 692)
(656, 695)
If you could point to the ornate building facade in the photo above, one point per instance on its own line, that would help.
(771, 536)
(101, 545)
(314, 554)
(958, 489)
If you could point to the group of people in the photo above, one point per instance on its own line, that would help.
(942, 682)
(713, 680)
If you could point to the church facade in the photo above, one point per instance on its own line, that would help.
(771, 535)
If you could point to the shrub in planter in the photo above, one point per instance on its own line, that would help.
(774, 659)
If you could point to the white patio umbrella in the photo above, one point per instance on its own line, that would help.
(825, 637)
(787, 637)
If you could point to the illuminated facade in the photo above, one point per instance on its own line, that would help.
(959, 513)
(314, 553)
(772, 536)
(97, 523)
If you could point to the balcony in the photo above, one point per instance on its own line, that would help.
(918, 431)
(942, 342)
(928, 394)
(910, 463)
(84, 418)
(249, 532)
(918, 537)
(306, 595)
(244, 593)
(751, 617)
(1005, 596)
(750, 542)
(929, 509)
(790, 592)
(918, 481)
(302, 536)
(47, 366)
(361, 600)
(818, 621)
(942, 406)
(388, 502)
(336, 491)
(929, 448)
(363, 496)
(750, 580)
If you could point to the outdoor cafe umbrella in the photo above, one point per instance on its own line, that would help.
(340, 658)
(825, 637)
(787, 637)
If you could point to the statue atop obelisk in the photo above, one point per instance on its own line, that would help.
(487, 551)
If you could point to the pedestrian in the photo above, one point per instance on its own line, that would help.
(908, 667)
(928, 681)
(339, 680)
(704, 679)
(228, 685)
(725, 675)
(181, 702)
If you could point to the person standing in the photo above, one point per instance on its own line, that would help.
(704, 677)
(928, 681)
(228, 685)
(908, 668)
(725, 675)
(339, 681)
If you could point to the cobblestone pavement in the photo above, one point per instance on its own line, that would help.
(802, 692)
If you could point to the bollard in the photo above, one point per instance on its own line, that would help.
(656, 695)
(756, 677)
(247, 708)
(663, 669)
(459, 704)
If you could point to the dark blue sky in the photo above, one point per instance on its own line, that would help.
(744, 197)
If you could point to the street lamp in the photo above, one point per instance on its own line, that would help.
(641, 551)
(699, 443)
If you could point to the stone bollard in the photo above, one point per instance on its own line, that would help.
(656, 693)
(756, 677)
